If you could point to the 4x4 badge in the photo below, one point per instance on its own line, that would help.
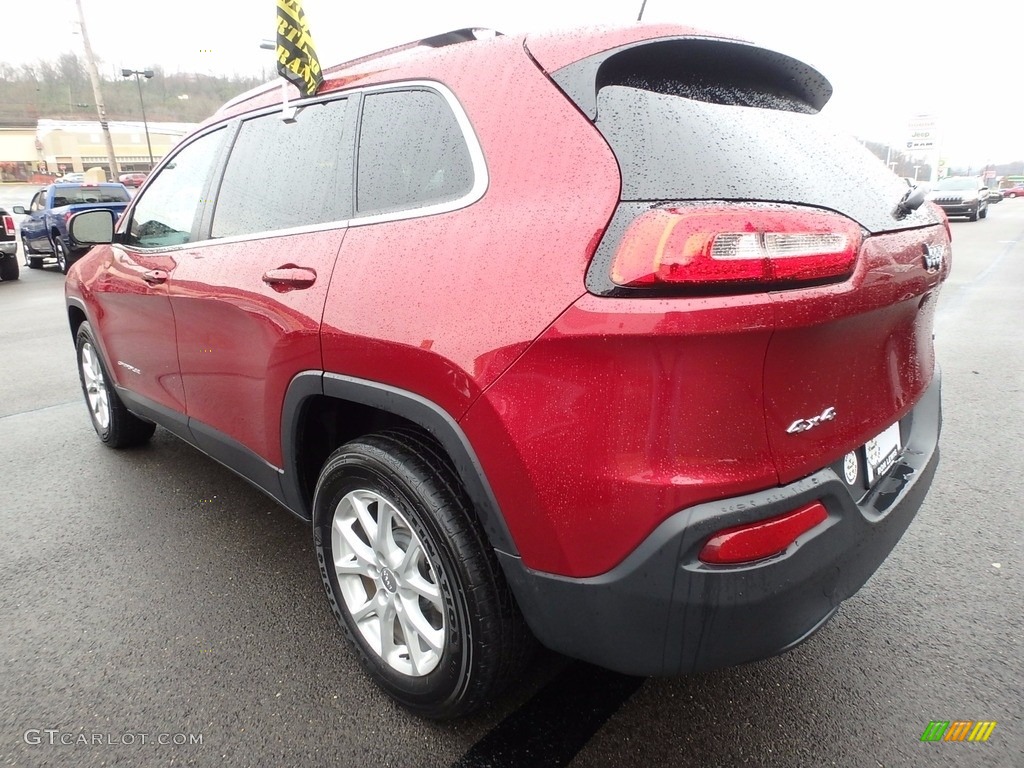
(933, 257)
(802, 425)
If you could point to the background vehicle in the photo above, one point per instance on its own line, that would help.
(132, 179)
(1016, 191)
(665, 399)
(44, 231)
(995, 195)
(8, 247)
(961, 196)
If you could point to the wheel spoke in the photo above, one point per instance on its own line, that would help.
(425, 589)
(412, 644)
(388, 650)
(384, 540)
(356, 547)
(361, 506)
(369, 608)
(421, 628)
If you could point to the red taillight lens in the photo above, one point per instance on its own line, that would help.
(763, 538)
(9, 225)
(735, 245)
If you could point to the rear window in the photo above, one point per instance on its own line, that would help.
(73, 195)
(711, 119)
(677, 148)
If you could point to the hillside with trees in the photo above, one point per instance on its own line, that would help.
(60, 90)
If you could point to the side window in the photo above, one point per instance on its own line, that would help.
(411, 152)
(37, 201)
(281, 175)
(166, 212)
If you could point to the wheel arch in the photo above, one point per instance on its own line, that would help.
(324, 410)
(76, 315)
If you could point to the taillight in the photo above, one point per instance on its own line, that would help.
(734, 246)
(9, 225)
(763, 538)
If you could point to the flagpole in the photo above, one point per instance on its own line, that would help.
(297, 62)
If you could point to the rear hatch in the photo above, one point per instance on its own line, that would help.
(733, 184)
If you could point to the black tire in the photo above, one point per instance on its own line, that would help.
(983, 213)
(973, 215)
(35, 262)
(64, 257)
(115, 425)
(483, 639)
(9, 269)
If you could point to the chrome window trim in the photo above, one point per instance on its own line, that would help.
(481, 178)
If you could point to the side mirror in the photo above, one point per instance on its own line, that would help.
(20, 209)
(91, 228)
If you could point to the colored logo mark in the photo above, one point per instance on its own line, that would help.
(958, 730)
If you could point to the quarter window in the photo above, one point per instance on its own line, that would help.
(165, 214)
(287, 174)
(411, 152)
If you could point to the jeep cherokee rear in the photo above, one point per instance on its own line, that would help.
(623, 359)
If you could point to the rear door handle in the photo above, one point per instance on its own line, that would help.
(289, 277)
(155, 276)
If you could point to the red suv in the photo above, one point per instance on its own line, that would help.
(601, 339)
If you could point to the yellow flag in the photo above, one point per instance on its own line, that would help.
(296, 56)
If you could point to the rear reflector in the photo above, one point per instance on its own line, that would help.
(763, 538)
(734, 245)
(9, 225)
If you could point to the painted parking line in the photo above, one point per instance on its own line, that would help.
(552, 727)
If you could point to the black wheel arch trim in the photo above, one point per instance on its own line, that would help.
(408, 405)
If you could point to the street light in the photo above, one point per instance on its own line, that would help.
(146, 73)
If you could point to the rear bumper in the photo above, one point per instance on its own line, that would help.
(663, 612)
(8, 248)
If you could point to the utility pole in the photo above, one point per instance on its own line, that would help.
(94, 76)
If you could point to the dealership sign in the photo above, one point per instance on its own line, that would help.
(922, 132)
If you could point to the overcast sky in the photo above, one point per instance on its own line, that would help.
(886, 60)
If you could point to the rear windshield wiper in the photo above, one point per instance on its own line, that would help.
(910, 202)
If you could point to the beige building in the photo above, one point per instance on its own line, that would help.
(55, 147)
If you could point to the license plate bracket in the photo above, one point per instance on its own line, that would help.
(881, 452)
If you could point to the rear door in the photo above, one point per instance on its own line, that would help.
(249, 299)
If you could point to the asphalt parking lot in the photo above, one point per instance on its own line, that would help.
(156, 610)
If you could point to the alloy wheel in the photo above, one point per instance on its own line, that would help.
(95, 386)
(388, 583)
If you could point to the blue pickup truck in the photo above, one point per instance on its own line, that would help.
(44, 233)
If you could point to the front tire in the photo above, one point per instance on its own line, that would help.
(115, 425)
(411, 577)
